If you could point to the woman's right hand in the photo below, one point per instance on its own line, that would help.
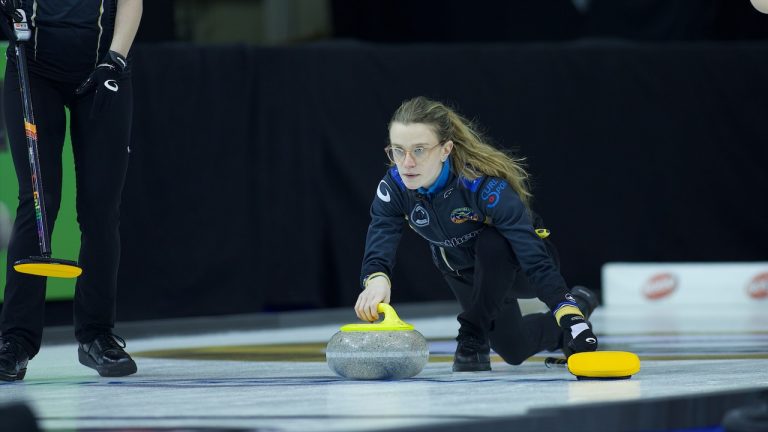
(377, 291)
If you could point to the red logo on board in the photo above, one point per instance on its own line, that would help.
(757, 288)
(659, 286)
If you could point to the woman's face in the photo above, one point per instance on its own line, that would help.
(419, 156)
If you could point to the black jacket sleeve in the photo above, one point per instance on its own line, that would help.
(385, 229)
(513, 220)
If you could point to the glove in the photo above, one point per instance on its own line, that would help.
(9, 9)
(578, 336)
(106, 80)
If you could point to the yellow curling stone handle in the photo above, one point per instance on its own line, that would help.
(391, 322)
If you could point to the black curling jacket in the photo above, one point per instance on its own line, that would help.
(450, 219)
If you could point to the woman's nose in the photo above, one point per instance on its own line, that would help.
(409, 160)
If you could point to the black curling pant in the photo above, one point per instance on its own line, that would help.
(100, 148)
(488, 295)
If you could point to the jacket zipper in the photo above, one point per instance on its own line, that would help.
(445, 259)
(430, 206)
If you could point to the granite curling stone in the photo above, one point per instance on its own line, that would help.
(388, 350)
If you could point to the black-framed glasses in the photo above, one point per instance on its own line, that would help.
(397, 154)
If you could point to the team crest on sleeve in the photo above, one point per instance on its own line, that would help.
(492, 192)
(419, 216)
(383, 192)
(463, 214)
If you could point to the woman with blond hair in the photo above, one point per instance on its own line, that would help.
(470, 201)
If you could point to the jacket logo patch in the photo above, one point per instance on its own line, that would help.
(419, 216)
(382, 191)
(491, 192)
(463, 214)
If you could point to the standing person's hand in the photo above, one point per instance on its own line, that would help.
(376, 291)
(9, 9)
(105, 80)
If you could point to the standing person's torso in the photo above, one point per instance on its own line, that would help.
(69, 37)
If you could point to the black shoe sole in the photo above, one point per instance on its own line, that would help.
(471, 367)
(18, 377)
(112, 370)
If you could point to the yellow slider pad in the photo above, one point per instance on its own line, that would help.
(49, 269)
(604, 364)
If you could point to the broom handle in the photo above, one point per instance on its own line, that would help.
(21, 32)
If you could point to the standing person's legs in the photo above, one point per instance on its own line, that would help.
(24, 302)
(100, 147)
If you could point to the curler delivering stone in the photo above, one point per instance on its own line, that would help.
(388, 350)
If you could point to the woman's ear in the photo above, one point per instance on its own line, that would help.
(446, 150)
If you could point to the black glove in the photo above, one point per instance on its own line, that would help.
(578, 336)
(9, 9)
(106, 80)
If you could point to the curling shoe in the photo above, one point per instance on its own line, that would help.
(106, 354)
(13, 360)
(586, 300)
(473, 354)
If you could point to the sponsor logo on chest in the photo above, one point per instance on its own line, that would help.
(463, 214)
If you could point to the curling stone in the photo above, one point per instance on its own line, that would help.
(387, 350)
(599, 365)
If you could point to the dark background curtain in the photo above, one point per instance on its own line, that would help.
(447, 21)
(252, 169)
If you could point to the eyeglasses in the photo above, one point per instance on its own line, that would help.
(397, 154)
